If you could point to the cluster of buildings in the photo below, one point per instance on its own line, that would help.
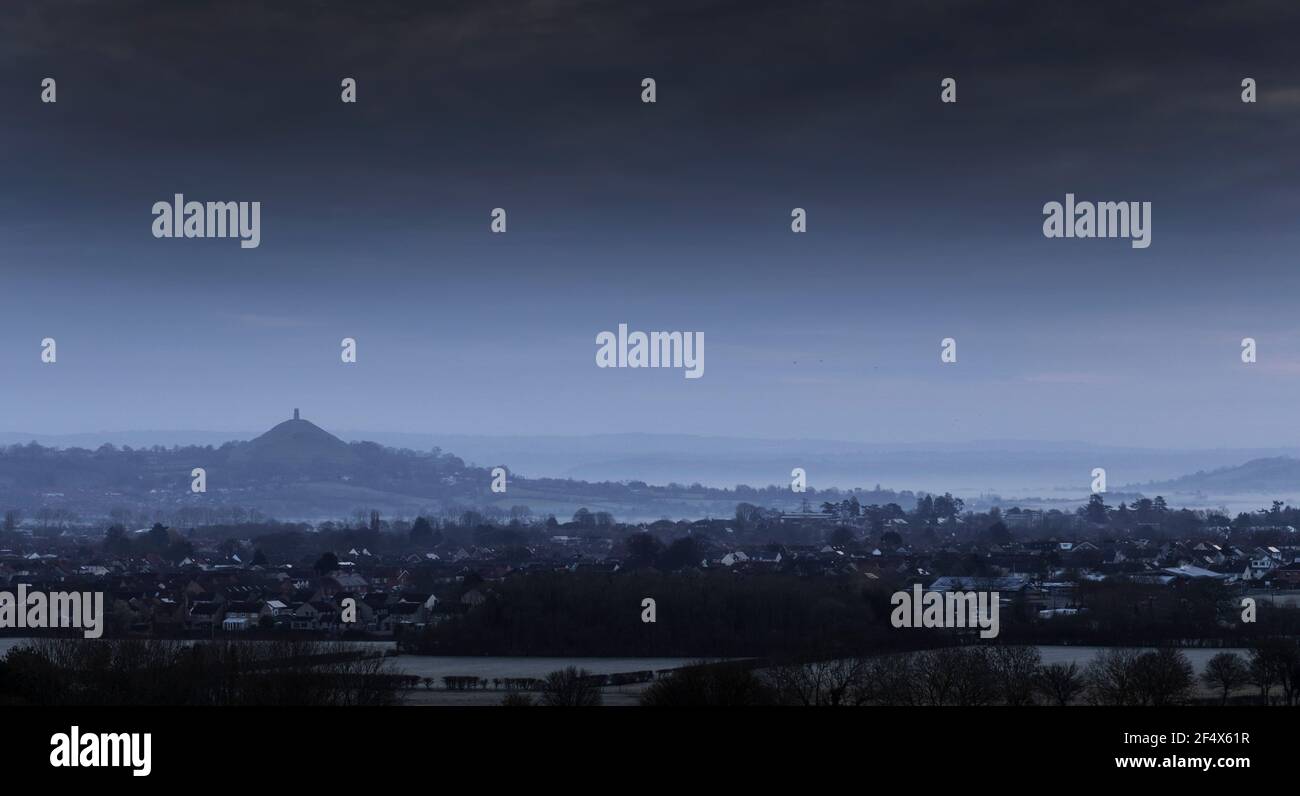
(202, 596)
(390, 593)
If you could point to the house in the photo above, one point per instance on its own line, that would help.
(1268, 552)
(304, 616)
(274, 609)
(408, 615)
(1259, 568)
(731, 559)
(1189, 572)
(327, 615)
(1210, 553)
(315, 615)
(204, 615)
(426, 600)
(341, 582)
(241, 616)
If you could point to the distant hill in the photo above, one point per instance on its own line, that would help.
(1012, 469)
(297, 444)
(1275, 474)
(299, 471)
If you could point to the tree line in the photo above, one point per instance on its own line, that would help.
(991, 675)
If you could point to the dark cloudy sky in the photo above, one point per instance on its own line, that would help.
(924, 218)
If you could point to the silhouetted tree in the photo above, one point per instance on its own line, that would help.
(116, 540)
(327, 563)
(570, 687)
(1096, 511)
(1164, 677)
(1225, 672)
(1060, 683)
(705, 685)
(1015, 670)
(421, 531)
(643, 549)
(684, 552)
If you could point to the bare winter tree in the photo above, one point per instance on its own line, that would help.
(1224, 672)
(1060, 683)
(570, 687)
(838, 681)
(1164, 677)
(1111, 677)
(1015, 670)
(891, 680)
